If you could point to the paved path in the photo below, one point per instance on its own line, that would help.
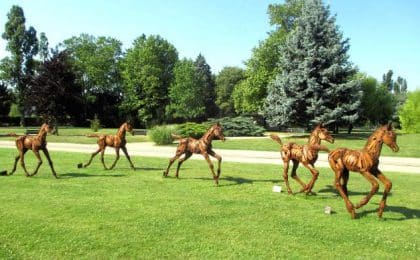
(148, 149)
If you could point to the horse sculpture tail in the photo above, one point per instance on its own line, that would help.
(176, 137)
(276, 138)
(92, 135)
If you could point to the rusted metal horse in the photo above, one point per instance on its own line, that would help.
(189, 146)
(117, 141)
(306, 154)
(34, 143)
(365, 161)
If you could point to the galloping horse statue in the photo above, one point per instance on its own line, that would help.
(306, 154)
(117, 141)
(365, 161)
(189, 146)
(36, 143)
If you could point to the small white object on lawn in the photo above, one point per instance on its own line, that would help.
(276, 188)
(327, 210)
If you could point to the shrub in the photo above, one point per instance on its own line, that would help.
(95, 124)
(161, 135)
(190, 129)
(239, 126)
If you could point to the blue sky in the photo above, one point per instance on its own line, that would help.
(384, 34)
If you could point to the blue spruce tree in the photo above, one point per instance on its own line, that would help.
(315, 80)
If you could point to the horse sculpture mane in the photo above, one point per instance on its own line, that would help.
(364, 161)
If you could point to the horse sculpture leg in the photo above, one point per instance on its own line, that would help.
(315, 173)
(374, 189)
(36, 152)
(117, 152)
(180, 161)
(388, 186)
(338, 168)
(295, 176)
(345, 179)
(171, 161)
(124, 149)
(22, 161)
(286, 176)
(206, 156)
(47, 154)
(91, 157)
(14, 165)
(102, 158)
(219, 159)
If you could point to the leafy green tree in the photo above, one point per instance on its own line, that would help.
(315, 81)
(96, 63)
(23, 46)
(387, 80)
(226, 80)
(410, 113)
(262, 67)
(187, 94)
(43, 47)
(207, 81)
(377, 104)
(147, 73)
(54, 91)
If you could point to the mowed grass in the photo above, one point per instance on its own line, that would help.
(92, 213)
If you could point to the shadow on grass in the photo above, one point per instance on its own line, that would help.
(83, 175)
(233, 180)
(331, 189)
(407, 213)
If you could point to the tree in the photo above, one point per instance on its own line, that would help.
(43, 47)
(207, 81)
(54, 92)
(262, 67)
(315, 81)
(23, 46)
(147, 73)
(226, 81)
(387, 81)
(410, 113)
(187, 94)
(6, 99)
(96, 62)
(377, 104)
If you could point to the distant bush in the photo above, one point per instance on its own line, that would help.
(95, 124)
(191, 130)
(161, 135)
(239, 126)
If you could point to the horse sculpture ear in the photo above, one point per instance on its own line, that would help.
(389, 126)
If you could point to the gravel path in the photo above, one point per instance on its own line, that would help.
(148, 149)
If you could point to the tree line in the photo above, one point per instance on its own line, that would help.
(298, 76)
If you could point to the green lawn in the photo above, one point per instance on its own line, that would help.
(408, 144)
(92, 213)
(72, 134)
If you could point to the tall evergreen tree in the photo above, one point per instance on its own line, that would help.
(315, 81)
(43, 47)
(207, 81)
(23, 46)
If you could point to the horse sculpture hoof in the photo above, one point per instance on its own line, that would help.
(80, 165)
(3, 173)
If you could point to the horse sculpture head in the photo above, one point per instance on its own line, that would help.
(129, 127)
(48, 127)
(218, 131)
(389, 137)
(322, 132)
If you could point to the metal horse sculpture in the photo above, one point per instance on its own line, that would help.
(365, 161)
(189, 146)
(35, 143)
(117, 141)
(306, 154)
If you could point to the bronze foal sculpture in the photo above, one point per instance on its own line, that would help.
(189, 146)
(306, 154)
(117, 141)
(35, 143)
(365, 161)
